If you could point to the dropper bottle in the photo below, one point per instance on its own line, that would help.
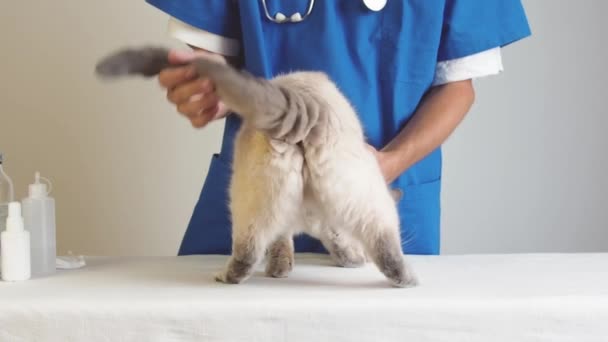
(39, 218)
(15, 241)
(6, 194)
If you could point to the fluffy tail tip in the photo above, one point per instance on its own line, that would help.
(147, 62)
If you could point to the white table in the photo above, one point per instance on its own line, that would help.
(543, 297)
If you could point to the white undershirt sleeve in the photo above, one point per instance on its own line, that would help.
(479, 65)
(203, 39)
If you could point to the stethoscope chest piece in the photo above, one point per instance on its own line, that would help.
(375, 5)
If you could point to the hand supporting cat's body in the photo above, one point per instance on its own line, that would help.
(300, 165)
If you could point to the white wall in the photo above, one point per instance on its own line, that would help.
(525, 172)
(126, 168)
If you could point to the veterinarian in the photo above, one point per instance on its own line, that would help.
(406, 65)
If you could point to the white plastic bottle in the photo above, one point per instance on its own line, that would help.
(39, 218)
(6, 194)
(15, 241)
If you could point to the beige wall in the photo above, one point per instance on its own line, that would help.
(525, 172)
(126, 167)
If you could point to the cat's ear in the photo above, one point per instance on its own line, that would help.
(396, 194)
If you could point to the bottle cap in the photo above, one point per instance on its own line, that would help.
(14, 221)
(37, 189)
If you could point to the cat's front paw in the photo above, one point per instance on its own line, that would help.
(279, 267)
(223, 277)
(220, 277)
(350, 256)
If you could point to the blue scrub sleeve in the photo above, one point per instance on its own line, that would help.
(472, 26)
(216, 16)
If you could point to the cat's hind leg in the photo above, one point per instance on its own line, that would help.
(383, 244)
(247, 251)
(280, 257)
(368, 213)
(344, 249)
(266, 196)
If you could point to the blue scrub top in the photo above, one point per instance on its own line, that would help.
(384, 62)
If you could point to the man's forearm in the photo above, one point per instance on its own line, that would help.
(440, 112)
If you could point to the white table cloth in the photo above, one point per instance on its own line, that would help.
(529, 297)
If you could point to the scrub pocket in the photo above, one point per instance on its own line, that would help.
(419, 210)
(209, 231)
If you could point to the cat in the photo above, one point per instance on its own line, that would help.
(300, 165)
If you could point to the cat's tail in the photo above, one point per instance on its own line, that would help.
(248, 96)
(251, 97)
(281, 113)
(147, 61)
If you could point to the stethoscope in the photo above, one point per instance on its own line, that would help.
(280, 18)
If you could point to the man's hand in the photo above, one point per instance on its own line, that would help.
(193, 97)
(387, 164)
(438, 115)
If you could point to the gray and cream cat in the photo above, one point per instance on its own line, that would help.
(300, 165)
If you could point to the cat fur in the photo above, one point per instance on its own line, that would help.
(300, 165)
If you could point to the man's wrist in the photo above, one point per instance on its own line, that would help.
(397, 158)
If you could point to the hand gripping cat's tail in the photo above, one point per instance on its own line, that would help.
(253, 98)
